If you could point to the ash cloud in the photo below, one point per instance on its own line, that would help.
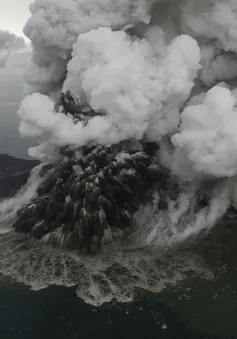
(162, 71)
(207, 134)
(126, 81)
(56, 24)
(139, 83)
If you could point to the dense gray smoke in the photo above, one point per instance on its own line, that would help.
(149, 72)
(159, 71)
(165, 82)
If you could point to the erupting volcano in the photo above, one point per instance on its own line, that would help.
(133, 104)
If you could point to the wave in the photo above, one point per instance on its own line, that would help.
(135, 106)
(156, 254)
(119, 273)
(9, 207)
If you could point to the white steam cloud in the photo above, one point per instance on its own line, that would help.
(163, 71)
(56, 24)
(157, 70)
(139, 84)
(214, 19)
(125, 80)
(207, 133)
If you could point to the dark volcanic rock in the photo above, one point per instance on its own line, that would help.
(91, 194)
(93, 191)
(88, 194)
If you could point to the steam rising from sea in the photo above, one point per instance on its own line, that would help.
(162, 71)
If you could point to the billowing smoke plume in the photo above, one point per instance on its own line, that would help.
(162, 71)
(207, 133)
(133, 104)
(214, 20)
(9, 43)
(123, 79)
(55, 26)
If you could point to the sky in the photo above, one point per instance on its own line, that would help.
(14, 14)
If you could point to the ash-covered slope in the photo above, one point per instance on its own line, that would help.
(109, 78)
(91, 192)
(92, 195)
(133, 105)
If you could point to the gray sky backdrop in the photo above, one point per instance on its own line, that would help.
(14, 14)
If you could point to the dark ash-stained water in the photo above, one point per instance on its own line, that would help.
(193, 304)
(196, 307)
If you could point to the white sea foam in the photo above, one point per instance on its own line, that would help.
(9, 207)
(160, 70)
(118, 273)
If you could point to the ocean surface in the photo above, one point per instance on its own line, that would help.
(198, 307)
